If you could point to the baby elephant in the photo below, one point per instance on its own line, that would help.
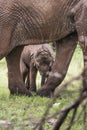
(36, 58)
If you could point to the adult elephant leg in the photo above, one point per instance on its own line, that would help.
(5, 40)
(85, 68)
(80, 16)
(64, 51)
(16, 84)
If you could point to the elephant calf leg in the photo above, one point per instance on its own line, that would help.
(15, 80)
(64, 51)
(33, 74)
(43, 78)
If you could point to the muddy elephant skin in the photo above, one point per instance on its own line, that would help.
(36, 58)
(62, 21)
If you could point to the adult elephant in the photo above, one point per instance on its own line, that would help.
(62, 21)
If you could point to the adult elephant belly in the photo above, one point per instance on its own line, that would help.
(50, 30)
(46, 22)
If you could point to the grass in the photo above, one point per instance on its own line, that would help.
(23, 113)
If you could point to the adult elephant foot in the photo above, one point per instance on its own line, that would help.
(44, 92)
(19, 89)
(64, 51)
(15, 80)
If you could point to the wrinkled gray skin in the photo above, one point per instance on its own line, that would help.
(62, 21)
(36, 58)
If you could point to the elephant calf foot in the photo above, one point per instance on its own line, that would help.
(15, 89)
(45, 92)
(33, 90)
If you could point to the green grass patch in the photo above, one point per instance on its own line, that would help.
(23, 113)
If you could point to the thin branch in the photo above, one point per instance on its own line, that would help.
(63, 114)
(68, 109)
(72, 119)
(41, 122)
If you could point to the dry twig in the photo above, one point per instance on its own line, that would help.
(64, 113)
